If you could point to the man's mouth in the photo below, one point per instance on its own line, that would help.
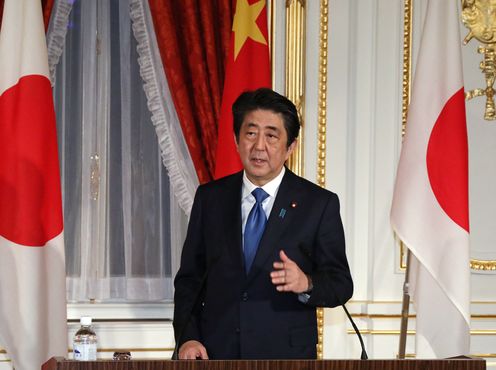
(258, 160)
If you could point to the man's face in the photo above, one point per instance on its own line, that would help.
(262, 145)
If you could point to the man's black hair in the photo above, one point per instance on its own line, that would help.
(266, 99)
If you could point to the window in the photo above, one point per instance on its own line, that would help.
(116, 191)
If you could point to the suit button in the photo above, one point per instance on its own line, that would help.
(237, 330)
(244, 296)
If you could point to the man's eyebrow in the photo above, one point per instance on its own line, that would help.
(272, 128)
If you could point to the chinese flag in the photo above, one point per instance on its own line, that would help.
(33, 324)
(247, 68)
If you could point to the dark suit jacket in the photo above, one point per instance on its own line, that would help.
(240, 316)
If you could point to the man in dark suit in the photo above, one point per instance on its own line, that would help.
(264, 248)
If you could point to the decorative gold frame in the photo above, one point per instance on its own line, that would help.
(322, 103)
(321, 135)
(407, 62)
(406, 87)
(295, 72)
(295, 90)
(475, 264)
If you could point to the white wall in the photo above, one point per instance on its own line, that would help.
(363, 144)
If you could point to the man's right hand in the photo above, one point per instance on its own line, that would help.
(191, 350)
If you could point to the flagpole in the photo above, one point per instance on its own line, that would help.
(404, 309)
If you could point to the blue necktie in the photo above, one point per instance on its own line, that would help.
(255, 225)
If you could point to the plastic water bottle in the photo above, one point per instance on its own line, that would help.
(85, 341)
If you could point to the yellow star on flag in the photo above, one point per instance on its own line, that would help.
(244, 24)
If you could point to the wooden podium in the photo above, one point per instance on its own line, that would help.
(58, 363)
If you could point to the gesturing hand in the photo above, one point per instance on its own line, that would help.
(287, 276)
(191, 350)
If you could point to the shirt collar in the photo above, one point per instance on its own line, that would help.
(270, 188)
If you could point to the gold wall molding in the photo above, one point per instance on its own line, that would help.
(411, 332)
(407, 62)
(295, 72)
(410, 316)
(379, 332)
(406, 88)
(295, 91)
(272, 39)
(482, 265)
(295, 55)
(322, 102)
(321, 134)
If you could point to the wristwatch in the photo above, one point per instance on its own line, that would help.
(305, 296)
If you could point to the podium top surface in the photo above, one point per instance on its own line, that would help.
(447, 364)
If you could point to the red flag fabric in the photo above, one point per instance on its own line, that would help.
(430, 203)
(247, 68)
(33, 324)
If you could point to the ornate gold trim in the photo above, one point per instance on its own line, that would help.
(272, 39)
(482, 265)
(295, 72)
(379, 332)
(322, 103)
(378, 316)
(295, 91)
(364, 301)
(406, 87)
(483, 332)
(412, 332)
(407, 62)
(320, 333)
(321, 135)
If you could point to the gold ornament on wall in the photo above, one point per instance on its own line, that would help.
(479, 16)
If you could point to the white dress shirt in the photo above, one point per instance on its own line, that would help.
(248, 200)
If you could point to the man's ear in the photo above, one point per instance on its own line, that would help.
(236, 142)
(291, 148)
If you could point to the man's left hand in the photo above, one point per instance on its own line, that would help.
(288, 277)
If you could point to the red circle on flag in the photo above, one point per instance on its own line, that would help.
(447, 160)
(30, 196)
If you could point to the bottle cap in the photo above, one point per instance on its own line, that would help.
(85, 320)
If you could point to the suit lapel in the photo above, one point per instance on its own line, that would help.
(231, 218)
(280, 218)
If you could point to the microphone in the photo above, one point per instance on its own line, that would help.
(196, 301)
(363, 356)
(307, 253)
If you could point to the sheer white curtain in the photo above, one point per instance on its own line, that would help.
(123, 225)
